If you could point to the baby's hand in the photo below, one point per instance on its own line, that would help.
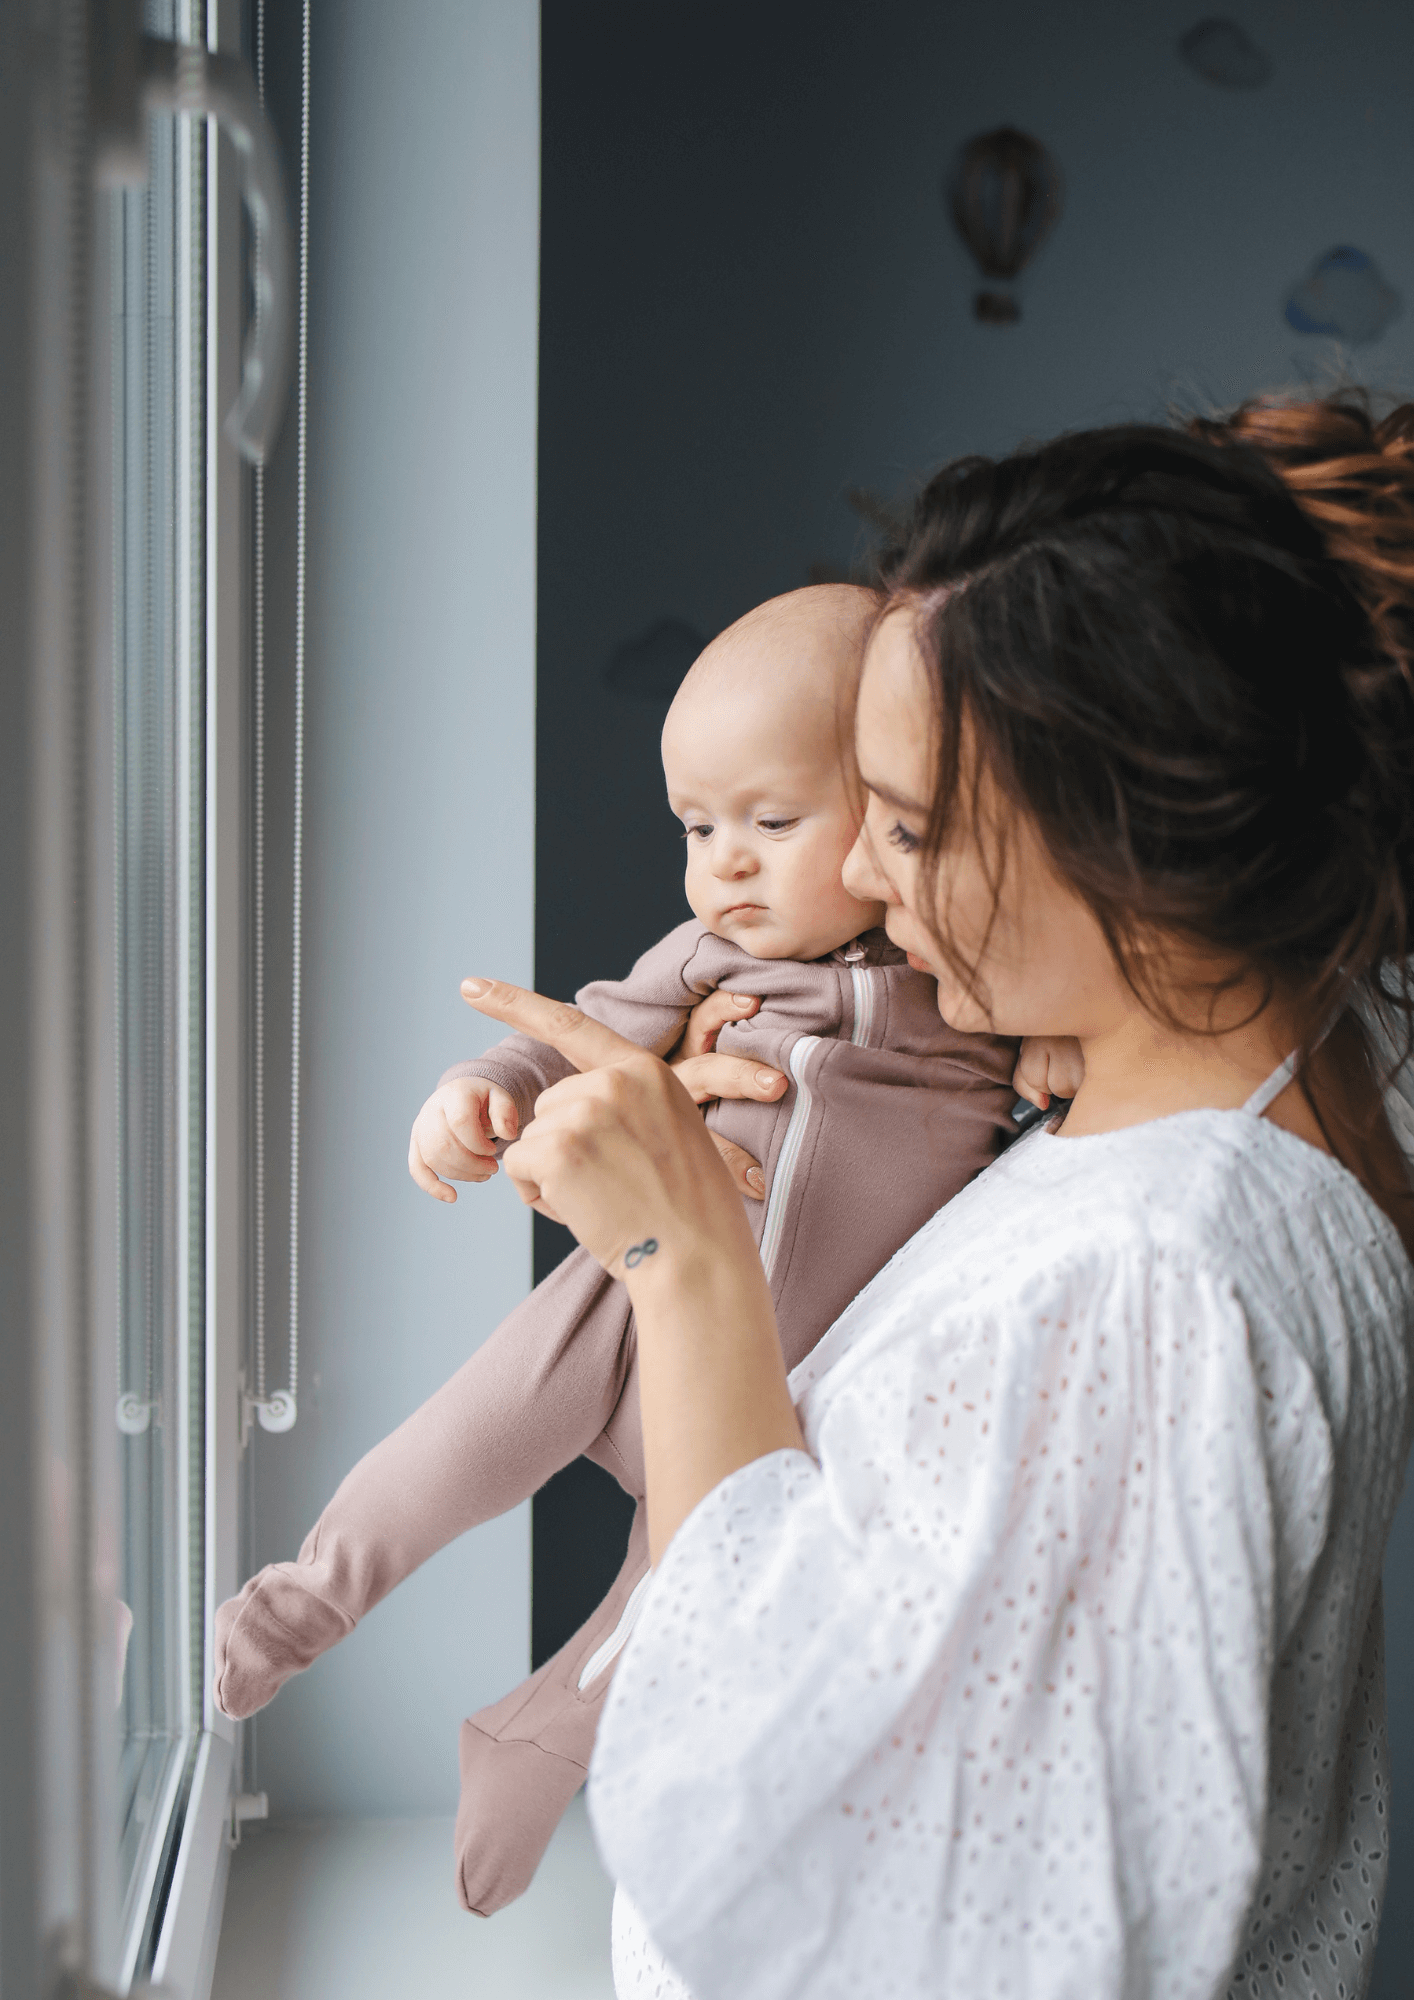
(1048, 1066)
(455, 1134)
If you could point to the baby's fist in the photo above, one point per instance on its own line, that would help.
(1048, 1066)
(454, 1135)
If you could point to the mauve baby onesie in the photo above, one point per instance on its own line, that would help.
(889, 1112)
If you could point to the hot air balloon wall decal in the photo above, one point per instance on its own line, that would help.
(1005, 193)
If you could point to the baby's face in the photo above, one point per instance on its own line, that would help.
(769, 810)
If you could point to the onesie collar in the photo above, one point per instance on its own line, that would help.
(873, 947)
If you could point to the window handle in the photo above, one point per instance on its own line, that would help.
(185, 77)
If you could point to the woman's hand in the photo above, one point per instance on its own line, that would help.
(620, 1154)
(707, 1076)
(706, 1022)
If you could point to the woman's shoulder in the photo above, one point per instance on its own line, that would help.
(1212, 1182)
(1251, 1207)
(1211, 1231)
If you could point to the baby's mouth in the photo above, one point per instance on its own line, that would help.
(742, 909)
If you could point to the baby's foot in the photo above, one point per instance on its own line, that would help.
(514, 1795)
(275, 1628)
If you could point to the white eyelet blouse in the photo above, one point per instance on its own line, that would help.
(1053, 1671)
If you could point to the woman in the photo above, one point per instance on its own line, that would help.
(1028, 1642)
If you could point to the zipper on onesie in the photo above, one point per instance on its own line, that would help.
(790, 1153)
(862, 979)
(604, 1655)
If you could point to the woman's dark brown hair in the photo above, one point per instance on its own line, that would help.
(1187, 654)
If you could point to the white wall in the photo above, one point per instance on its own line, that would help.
(419, 832)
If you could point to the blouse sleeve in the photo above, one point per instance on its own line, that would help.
(916, 1713)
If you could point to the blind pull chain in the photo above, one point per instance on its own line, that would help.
(280, 1410)
(190, 80)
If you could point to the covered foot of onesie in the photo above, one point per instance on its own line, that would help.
(524, 1758)
(276, 1627)
(514, 1795)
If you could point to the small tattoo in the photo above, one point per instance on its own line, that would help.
(639, 1251)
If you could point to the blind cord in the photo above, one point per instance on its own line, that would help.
(301, 495)
(258, 898)
(278, 1412)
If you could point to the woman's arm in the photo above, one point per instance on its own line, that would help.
(712, 1383)
(935, 1713)
(619, 1154)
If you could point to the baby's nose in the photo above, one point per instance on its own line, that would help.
(731, 863)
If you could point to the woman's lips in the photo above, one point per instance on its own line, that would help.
(918, 964)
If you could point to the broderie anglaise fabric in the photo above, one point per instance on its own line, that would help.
(1053, 1671)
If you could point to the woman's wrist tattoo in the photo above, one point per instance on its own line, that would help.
(639, 1251)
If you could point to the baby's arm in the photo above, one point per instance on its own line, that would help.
(491, 1099)
(477, 1107)
(651, 1006)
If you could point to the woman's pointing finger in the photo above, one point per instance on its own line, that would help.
(586, 1043)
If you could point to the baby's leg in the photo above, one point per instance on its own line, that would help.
(523, 1759)
(530, 1400)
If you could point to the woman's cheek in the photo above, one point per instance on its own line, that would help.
(960, 1010)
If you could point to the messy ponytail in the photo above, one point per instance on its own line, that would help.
(1188, 656)
(1353, 477)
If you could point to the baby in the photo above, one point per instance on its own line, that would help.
(888, 1113)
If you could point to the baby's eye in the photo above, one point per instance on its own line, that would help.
(902, 839)
(701, 832)
(777, 825)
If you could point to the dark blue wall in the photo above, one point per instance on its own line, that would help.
(751, 301)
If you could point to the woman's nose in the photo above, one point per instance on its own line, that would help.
(862, 875)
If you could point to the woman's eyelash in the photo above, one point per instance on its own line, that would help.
(902, 839)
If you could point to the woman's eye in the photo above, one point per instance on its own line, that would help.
(902, 839)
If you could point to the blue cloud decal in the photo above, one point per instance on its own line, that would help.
(1345, 297)
(1221, 52)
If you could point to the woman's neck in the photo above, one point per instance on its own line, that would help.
(1139, 1068)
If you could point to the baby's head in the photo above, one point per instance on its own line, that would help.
(758, 751)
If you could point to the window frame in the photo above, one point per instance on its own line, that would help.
(185, 1950)
(68, 91)
(172, 1938)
